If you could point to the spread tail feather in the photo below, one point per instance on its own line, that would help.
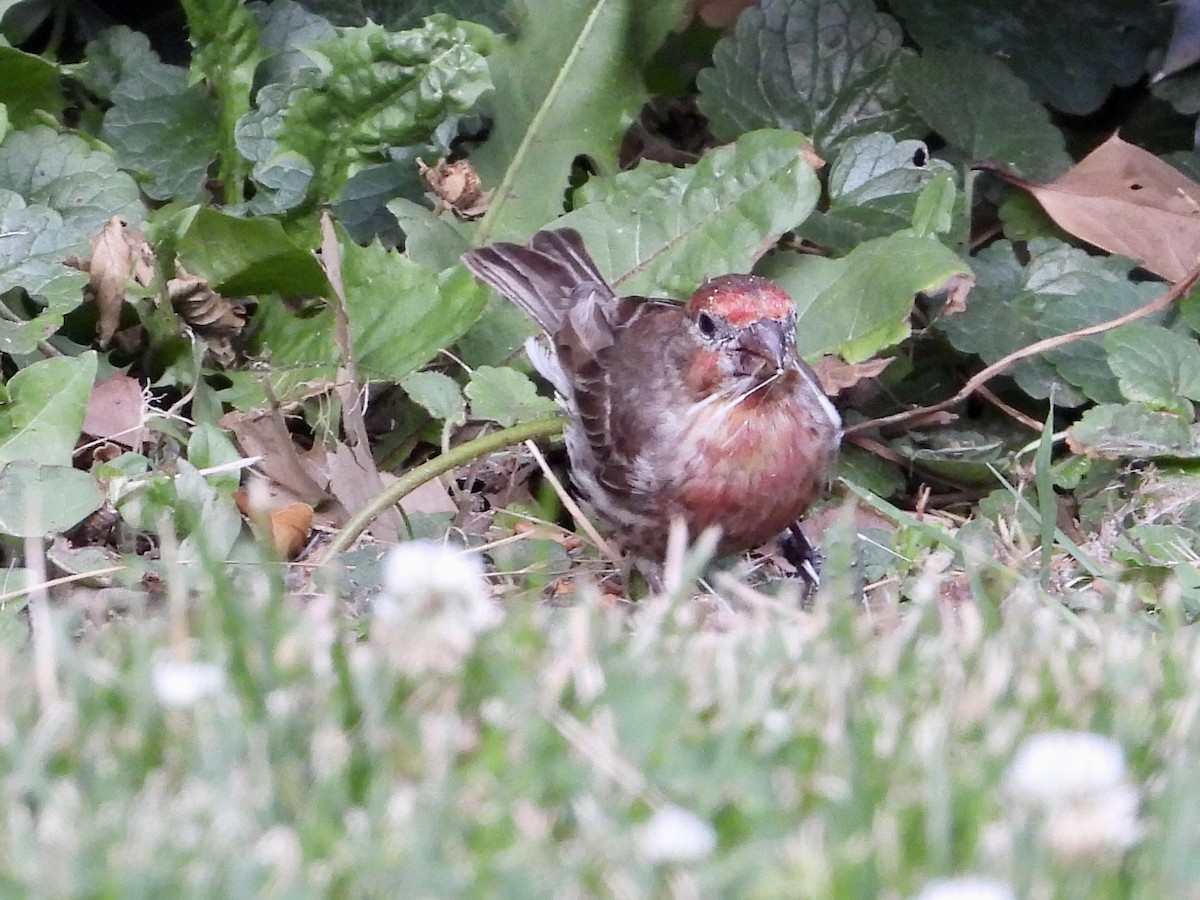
(542, 277)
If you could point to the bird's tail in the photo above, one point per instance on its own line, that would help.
(543, 277)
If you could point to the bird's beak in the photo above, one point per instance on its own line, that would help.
(766, 341)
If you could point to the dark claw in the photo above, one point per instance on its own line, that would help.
(800, 553)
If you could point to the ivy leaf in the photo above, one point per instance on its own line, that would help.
(1156, 366)
(401, 315)
(506, 396)
(873, 188)
(1133, 430)
(860, 304)
(1060, 289)
(163, 130)
(64, 173)
(567, 85)
(42, 416)
(369, 90)
(1101, 44)
(826, 68)
(29, 86)
(985, 111)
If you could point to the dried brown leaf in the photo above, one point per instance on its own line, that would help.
(263, 434)
(211, 316)
(108, 270)
(836, 375)
(1128, 201)
(116, 411)
(457, 186)
(715, 13)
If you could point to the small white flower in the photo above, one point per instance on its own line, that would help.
(1075, 783)
(1061, 766)
(966, 887)
(675, 835)
(179, 685)
(433, 604)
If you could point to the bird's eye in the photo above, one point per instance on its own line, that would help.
(707, 324)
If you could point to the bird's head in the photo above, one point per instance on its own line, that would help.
(744, 326)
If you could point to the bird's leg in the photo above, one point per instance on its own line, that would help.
(800, 553)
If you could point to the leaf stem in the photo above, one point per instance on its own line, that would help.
(414, 478)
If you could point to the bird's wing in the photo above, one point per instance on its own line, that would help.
(617, 358)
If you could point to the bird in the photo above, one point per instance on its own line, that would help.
(700, 411)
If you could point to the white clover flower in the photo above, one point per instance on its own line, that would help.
(434, 602)
(1059, 766)
(1075, 782)
(178, 685)
(675, 835)
(966, 887)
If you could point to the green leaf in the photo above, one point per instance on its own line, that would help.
(506, 396)
(438, 394)
(1133, 430)
(368, 91)
(163, 129)
(37, 500)
(43, 415)
(568, 85)
(34, 241)
(1099, 44)
(981, 108)
(226, 53)
(242, 257)
(1156, 366)
(874, 185)
(401, 315)
(64, 173)
(826, 68)
(659, 230)
(397, 14)
(29, 86)
(1060, 289)
(859, 304)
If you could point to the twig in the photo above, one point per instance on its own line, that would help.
(1010, 411)
(572, 507)
(414, 478)
(1177, 290)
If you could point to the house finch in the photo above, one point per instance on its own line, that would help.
(701, 411)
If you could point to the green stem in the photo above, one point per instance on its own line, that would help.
(414, 478)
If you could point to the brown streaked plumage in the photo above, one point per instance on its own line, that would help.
(701, 411)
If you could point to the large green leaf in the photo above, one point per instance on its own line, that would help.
(35, 242)
(397, 14)
(29, 86)
(567, 85)
(163, 129)
(1156, 366)
(43, 415)
(1134, 430)
(66, 174)
(984, 111)
(658, 230)
(1070, 53)
(822, 67)
(226, 53)
(1060, 289)
(369, 90)
(874, 184)
(37, 500)
(248, 257)
(860, 304)
(401, 315)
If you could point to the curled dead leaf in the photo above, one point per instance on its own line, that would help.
(836, 375)
(210, 315)
(108, 270)
(1124, 200)
(457, 186)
